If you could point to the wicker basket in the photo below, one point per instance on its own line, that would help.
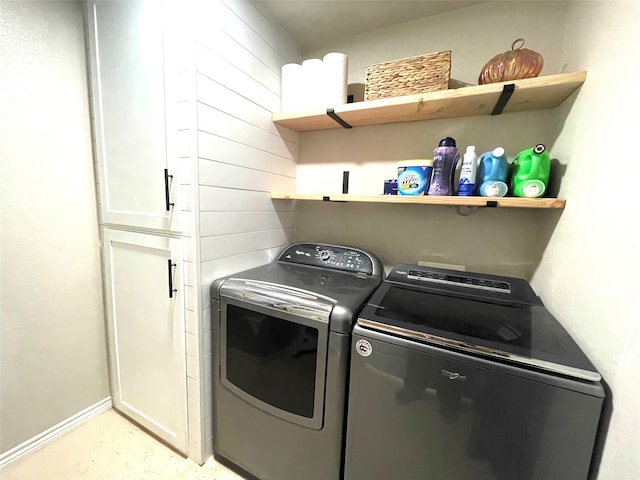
(423, 73)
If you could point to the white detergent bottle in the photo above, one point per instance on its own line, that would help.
(467, 184)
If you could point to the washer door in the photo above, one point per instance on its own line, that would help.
(271, 358)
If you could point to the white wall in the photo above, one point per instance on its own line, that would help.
(589, 272)
(53, 353)
(473, 34)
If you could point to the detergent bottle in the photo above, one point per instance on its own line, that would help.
(531, 172)
(445, 159)
(492, 173)
(467, 184)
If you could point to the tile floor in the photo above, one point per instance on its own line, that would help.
(108, 447)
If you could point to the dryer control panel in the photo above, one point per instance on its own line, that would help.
(336, 257)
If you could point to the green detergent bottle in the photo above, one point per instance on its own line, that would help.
(531, 169)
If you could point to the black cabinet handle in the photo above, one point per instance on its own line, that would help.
(167, 200)
(170, 266)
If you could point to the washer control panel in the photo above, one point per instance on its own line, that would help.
(329, 256)
(424, 275)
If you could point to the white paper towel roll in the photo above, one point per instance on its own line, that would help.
(335, 70)
(290, 95)
(311, 91)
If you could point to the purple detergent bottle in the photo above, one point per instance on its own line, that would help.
(445, 159)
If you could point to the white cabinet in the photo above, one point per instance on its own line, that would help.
(146, 331)
(134, 115)
(135, 128)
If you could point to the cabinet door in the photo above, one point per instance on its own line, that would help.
(146, 331)
(134, 107)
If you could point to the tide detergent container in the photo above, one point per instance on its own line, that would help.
(531, 172)
(492, 173)
(414, 176)
(445, 159)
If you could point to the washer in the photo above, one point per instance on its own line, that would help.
(460, 375)
(281, 342)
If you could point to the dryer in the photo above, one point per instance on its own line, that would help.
(281, 340)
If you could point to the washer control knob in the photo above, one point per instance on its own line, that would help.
(325, 255)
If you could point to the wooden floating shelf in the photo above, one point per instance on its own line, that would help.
(509, 202)
(538, 93)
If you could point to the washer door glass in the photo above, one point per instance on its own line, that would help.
(277, 362)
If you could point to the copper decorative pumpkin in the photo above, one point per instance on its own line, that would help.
(514, 64)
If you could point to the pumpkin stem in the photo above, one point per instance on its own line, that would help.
(513, 45)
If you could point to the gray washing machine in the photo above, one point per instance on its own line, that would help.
(281, 342)
(463, 376)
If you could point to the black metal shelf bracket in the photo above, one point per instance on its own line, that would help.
(507, 91)
(327, 198)
(345, 182)
(332, 113)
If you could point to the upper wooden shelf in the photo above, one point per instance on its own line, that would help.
(511, 202)
(529, 94)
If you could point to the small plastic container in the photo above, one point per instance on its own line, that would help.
(414, 176)
(391, 186)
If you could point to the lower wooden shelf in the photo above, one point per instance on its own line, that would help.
(508, 202)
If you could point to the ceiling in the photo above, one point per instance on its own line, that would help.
(316, 23)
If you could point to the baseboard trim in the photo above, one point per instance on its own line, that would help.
(40, 440)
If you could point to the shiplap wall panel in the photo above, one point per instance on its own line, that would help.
(218, 199)
(241, 157)
(224, 125)
(228, 265)
(221, 223)
(206, 312)
(191, 342)
(225, 99)
(230, 23)
(271, 35)
(237, 177)
(184, 145)
(221, 246)
(186, 198)
(222, 98)
(218, 69)
(184, 86)
(190, 298)
(191, 320)
(229, 49)
(213, 147)
(190, 276)
(188, 251)
(184, 116)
